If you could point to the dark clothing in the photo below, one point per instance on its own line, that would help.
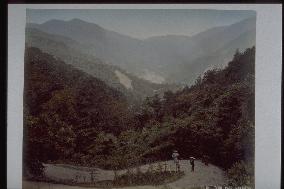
(192, 165)
(206, 160)
(178, 167)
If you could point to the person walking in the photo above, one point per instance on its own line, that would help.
(206, 160)
(175, 156)
(92, 176)
(192, 163)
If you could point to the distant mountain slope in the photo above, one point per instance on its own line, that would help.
(219, 58)
(108, 45)
(72, 52)
(162, 56)
(208, 49)
(211, 40)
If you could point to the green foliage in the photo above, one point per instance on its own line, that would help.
(35, 170)
(214, 117)
(241, 174)
(65, 109)
(72, 117)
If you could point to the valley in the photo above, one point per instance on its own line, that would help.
(99, 100)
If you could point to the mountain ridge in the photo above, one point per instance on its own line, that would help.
(72, 54)
(162, 55)
(77, 20)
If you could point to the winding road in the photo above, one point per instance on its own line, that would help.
(202, 176)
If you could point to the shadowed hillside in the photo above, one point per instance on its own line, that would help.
(72, 52)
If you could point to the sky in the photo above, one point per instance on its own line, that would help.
(144, 23)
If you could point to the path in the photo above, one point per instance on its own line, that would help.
(202, 176)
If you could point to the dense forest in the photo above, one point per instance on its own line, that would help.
(66, 109)
(73, 117)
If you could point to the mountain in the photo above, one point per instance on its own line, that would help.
(158, 59)
(219, 58)
(192, 56)
(70, 51)
(107, 45)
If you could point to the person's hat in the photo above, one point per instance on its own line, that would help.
(175, 151)
(192, 157)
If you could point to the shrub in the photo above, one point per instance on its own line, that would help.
(34, 169)
(241, 174)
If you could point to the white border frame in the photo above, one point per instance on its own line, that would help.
(268, 83)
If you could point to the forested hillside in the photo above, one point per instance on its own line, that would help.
(213, 119)
(66, 109)
(72, 117)
(72, 52)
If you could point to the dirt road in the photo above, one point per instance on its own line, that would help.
(202, 176)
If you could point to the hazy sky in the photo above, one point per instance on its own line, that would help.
(143, 23)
